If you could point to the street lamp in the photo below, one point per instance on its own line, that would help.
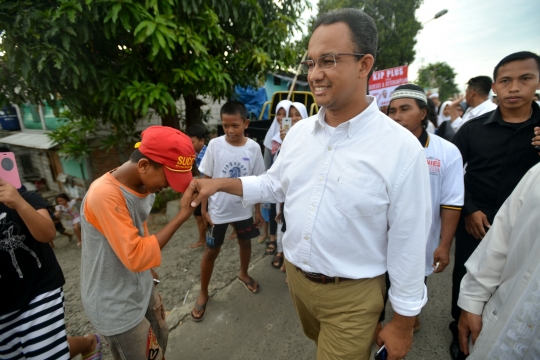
(437, 15)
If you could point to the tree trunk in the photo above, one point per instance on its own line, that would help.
(170, 120)
(194, 114)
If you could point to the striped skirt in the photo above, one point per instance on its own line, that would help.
(39, 332)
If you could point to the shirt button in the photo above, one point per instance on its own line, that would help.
(306, 238)
(321, 178)
(312, 208)
(305, 262)
(329, 148)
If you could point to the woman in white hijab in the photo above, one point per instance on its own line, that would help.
(270, 148)
(444, 113)
(282, 110)
(297, 112)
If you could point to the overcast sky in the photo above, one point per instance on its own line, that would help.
(474, 35)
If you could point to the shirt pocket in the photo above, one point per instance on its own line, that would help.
(357, 193)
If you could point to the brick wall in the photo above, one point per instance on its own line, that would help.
(102, 161)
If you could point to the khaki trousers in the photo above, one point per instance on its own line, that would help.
(340, 318)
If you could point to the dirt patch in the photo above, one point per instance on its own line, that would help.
(179, 273)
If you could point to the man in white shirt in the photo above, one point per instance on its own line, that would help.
(409, 108)
(499, 296)
(357, 204)
(477, 98)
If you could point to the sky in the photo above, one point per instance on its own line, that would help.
(474, 35)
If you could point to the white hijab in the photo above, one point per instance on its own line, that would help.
(274, 128)
(301, 109)
(443, 118)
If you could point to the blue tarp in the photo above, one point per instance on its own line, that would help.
(254, 99)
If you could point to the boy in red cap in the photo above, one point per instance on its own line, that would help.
(118, 253)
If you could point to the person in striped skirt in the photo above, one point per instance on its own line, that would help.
(32, 302)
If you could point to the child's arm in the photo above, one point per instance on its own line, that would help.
(38, 222)
(204, 207)
(259, 221)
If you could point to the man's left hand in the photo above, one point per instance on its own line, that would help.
(469, 325)
(397, 338)
(259, 221)
(441, 255)
(9, 195)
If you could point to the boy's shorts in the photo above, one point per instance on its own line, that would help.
(198, 210)
(245, 230)
(265, 212)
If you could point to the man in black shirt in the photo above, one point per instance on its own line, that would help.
(497, 151)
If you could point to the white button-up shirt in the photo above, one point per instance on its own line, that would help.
(473, 112)
(357, 201)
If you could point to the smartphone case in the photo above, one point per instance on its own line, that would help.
(8, 169)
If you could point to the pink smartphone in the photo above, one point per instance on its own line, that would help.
(8, 169)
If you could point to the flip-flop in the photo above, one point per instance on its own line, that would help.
(277, 259)
(96, 354)
(199, 308)
(250, 283)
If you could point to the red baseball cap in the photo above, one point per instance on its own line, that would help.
(172, 149)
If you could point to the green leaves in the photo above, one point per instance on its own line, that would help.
(438, 75)
(145, 94)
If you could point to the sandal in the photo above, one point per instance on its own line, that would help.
(199, 308)
(249, 283)
(271, 247)
(277, 259)
(96, 354)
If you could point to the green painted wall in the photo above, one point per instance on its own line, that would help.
(73, 167)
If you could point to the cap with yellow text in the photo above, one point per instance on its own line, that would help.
(172, 149)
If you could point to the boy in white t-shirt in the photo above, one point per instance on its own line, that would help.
(229, 156)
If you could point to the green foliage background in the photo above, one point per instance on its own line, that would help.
(439, 75)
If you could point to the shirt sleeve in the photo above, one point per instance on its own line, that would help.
(486, 264)
(207, 162)
(409, 221)
(264, 188)
(108, 213)
(452, 188)
(35, 200)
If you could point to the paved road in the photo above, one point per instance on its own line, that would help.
(264, 326)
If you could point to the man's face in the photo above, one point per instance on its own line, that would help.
(153, 177)
(337, 87)
(469, 95)
(408, 114)
(516, 83)
(384, 93)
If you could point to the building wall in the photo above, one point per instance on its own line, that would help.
(102, 161)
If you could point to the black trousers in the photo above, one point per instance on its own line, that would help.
(465, 246)
(273, 223)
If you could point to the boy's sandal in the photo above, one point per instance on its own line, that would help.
(199, 308)
(251, 284)
(96, 354)
(271, 247)
(277, 259)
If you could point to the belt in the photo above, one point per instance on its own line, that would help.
(320, 278)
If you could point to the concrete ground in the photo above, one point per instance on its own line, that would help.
(264, 326)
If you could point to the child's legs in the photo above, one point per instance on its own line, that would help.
(211, 252)
(246, 231)
(81, 344)
(77, 229)
(201, 225)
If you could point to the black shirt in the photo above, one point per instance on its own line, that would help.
(497, 155)
(28, 268)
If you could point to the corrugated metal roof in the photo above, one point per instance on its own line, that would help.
(35, 141)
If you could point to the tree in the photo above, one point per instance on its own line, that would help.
(396, 25)
(438, 75)
(110, 61)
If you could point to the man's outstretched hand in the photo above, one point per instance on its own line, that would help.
(208, 187)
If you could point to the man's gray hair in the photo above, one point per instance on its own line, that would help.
(361, 25)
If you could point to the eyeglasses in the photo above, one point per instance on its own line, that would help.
(325, 62)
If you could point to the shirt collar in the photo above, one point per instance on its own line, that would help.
(496, 115)
(354, 124)
(476, 111)
(424, 138)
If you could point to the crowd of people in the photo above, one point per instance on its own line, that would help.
(353, 222)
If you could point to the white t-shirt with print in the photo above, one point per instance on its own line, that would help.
(447, 189)
(223, 160)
